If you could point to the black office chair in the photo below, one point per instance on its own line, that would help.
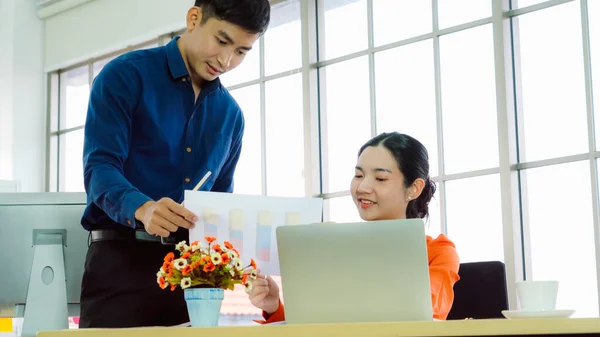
(480, 292)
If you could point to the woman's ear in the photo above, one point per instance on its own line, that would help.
(416, 189)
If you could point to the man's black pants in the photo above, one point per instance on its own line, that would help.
(119, 287)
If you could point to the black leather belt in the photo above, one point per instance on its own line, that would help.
(97, 235)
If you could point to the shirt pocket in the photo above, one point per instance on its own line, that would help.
(216, 149)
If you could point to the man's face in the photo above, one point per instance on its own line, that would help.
(215, 46)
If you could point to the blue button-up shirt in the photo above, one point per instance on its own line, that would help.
(146, 138)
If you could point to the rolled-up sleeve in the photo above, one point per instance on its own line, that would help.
(277, 316)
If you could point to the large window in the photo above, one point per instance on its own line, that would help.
(434, 69)
(433, 77)
(75, 88)
(553, 86)
(72, 86)
(248, 178)
(556, 218)
(346, 119)
(268, 88)
(408, 105)
(507, 116)
(557, 158)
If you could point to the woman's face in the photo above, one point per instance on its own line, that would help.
(378, 186)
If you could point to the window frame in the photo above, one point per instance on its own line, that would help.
(513, 184)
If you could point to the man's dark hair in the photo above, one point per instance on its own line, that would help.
(251, 15)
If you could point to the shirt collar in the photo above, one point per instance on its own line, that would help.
(176, 63)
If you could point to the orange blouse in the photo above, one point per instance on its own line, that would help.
(443, 273)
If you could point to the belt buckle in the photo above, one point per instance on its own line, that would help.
(169, 240)
(142, 235)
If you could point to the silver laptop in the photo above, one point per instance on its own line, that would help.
(375, 271)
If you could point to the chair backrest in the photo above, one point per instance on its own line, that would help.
(480, 292)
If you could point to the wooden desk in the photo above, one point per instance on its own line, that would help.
(495, 327)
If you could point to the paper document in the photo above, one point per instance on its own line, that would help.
(249, 222)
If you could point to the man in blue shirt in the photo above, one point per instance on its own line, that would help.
(158, 121)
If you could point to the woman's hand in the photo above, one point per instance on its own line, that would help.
(264, 293)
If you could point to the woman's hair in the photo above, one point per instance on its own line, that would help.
(413, 161)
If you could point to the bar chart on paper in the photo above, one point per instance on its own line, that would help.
(263, 236)
(250, 222)
(236, 228)
(211, 222)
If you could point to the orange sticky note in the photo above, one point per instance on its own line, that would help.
(6, 325)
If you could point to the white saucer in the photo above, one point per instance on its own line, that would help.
(514, 314)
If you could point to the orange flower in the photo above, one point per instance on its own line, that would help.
(186, 270)
(225, 258)
(170, 257)
(218, 265)
(196, 264)
(209, 267)
(162, 283)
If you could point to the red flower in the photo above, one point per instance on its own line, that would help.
(217, 248)
(210, 239)
(225, 258)
(252, 263)
(228, 245)
(208, 267)
(161, 282)
(186, 270)
(170, 257)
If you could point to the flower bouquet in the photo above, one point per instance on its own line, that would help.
(204, 271)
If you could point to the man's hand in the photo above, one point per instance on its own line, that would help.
(164, 217)
(264, 293)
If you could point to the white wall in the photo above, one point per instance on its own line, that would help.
(7, 22)
(101, 26)
(22, 96)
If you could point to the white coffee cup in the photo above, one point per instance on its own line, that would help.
(537, 295)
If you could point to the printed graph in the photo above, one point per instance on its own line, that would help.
(236, 228)
(264, 227)
(292, 218)
(211, 222)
